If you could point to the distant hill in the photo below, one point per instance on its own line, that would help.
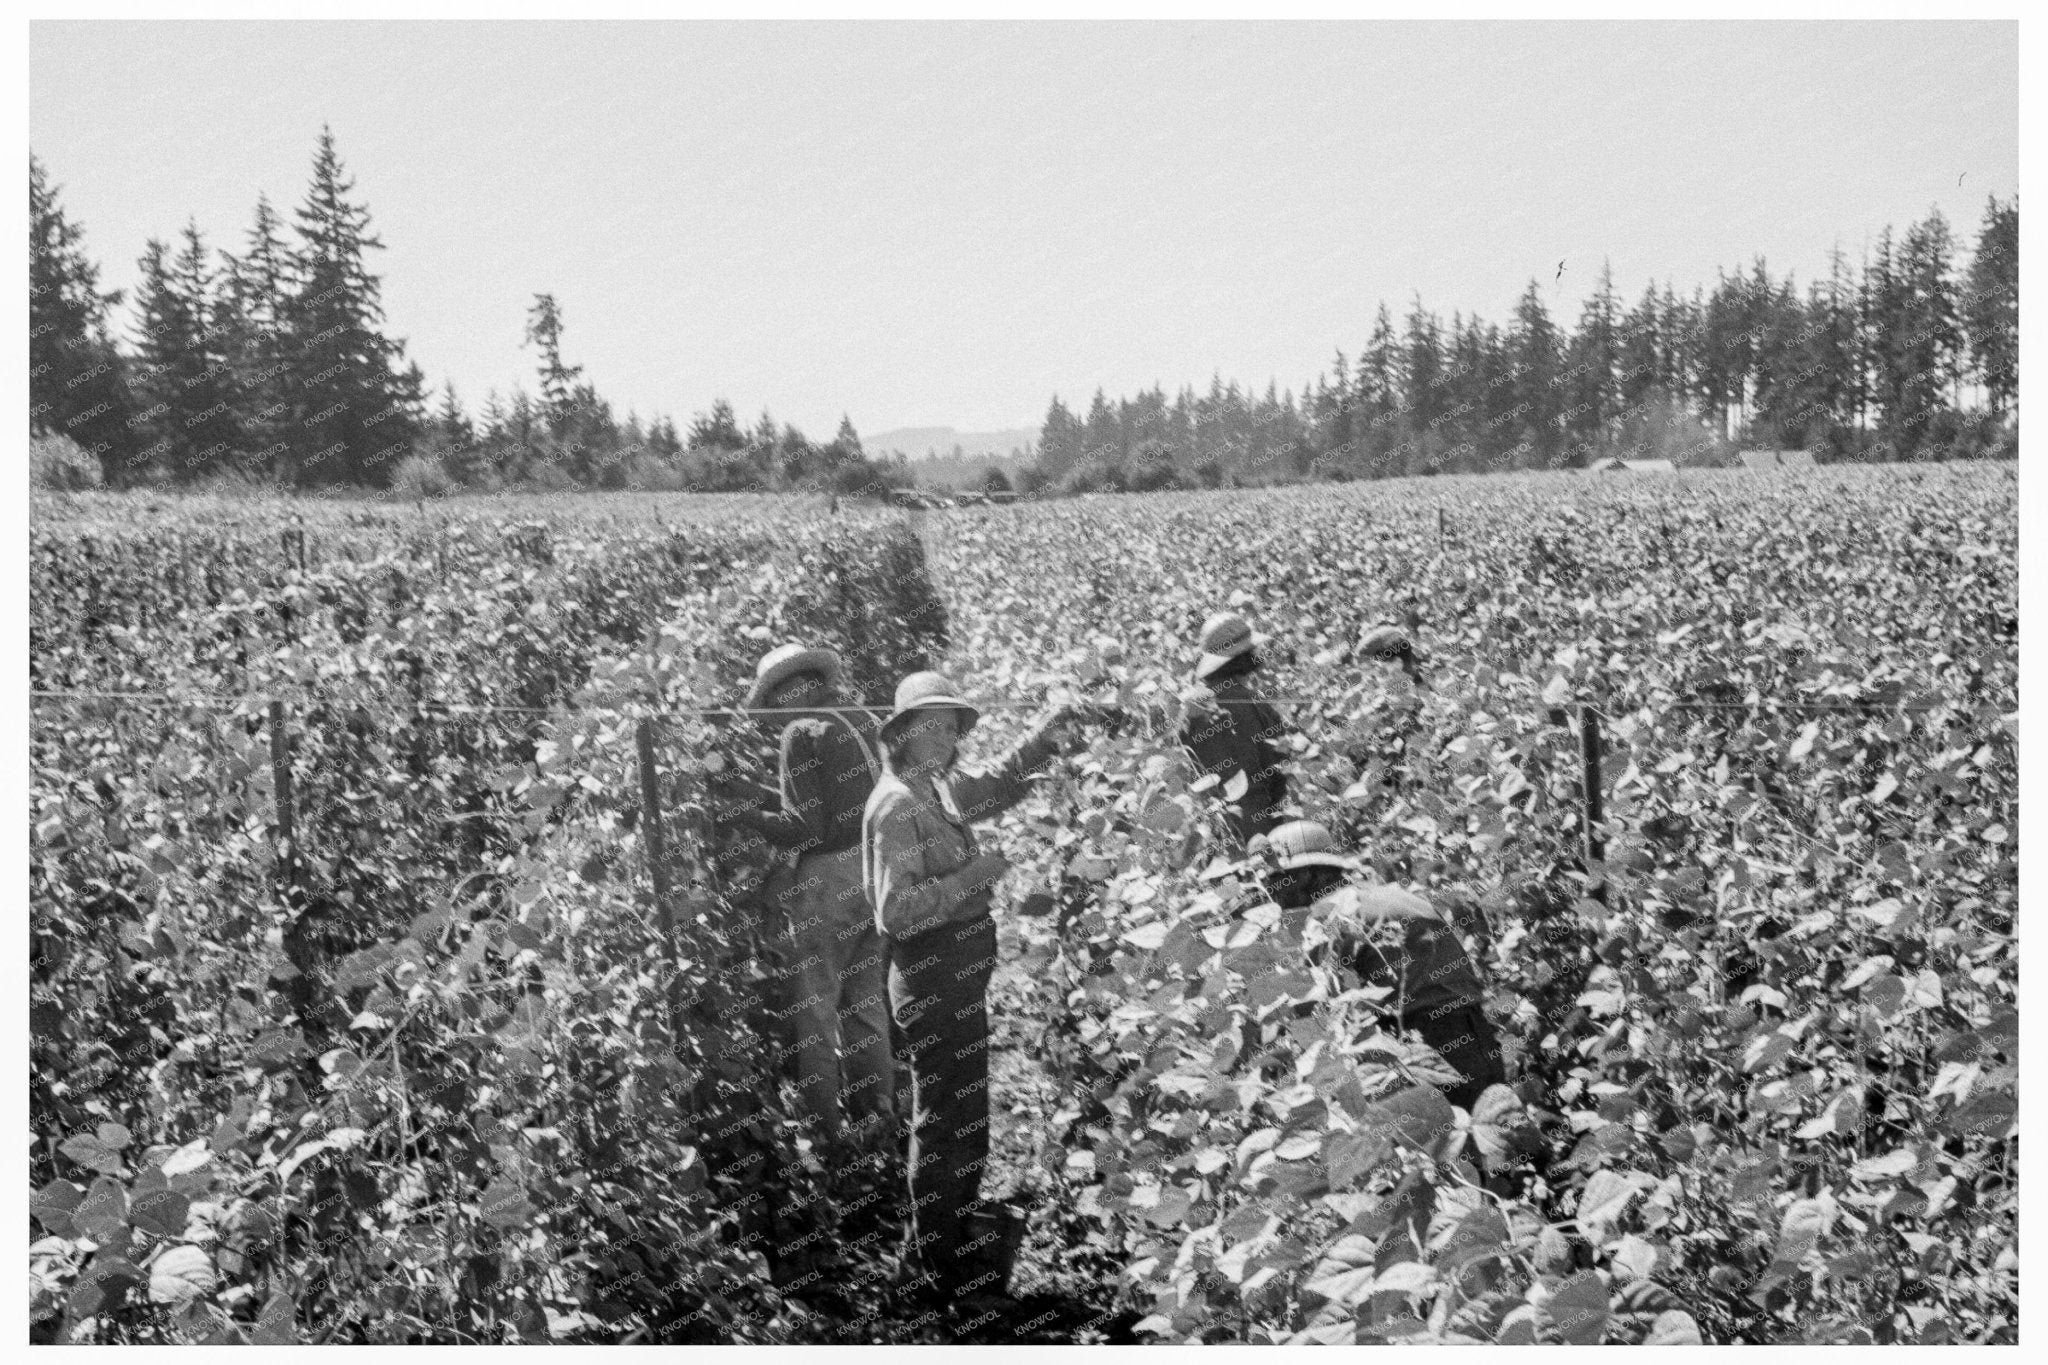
(915, 443)
(941, 457)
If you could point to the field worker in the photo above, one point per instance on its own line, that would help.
(1390, 937)
(1388, 643)
(1230, 729)
(835, 979)
(931, 885)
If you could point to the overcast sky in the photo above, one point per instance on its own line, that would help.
(946, 224)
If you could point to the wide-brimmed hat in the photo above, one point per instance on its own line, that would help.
(784, 662)
(924, 692)
(1225, 636)
(1306, 843)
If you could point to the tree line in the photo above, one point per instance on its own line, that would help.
(274, 365)
(1912, 357)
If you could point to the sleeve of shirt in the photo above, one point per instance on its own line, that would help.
(792, 825)
(996, 789)
(907, 896)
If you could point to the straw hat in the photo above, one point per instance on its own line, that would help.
(1305, 843)
(927, 691)
(1225, 636)
(784, 662)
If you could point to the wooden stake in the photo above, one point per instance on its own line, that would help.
(1589, 758)
(281, 782)
(657, 858)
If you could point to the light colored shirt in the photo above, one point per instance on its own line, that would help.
(916, 839)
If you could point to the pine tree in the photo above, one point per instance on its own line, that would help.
(1642, 365)
(1882, 309)
(1102, 439)
(183, 386)
(719, 431)
(1991, 310)
(847, 442)
(211, 397)
(1930, 351)
(1059, 441)
(1594, 352)
(76, 376)
(351, 414)
(454, 439)
(557, 380)
(1533, 346)
(1836, 389)
(249, 321)
(1788, 410)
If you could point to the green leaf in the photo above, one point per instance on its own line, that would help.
(1800, 1232)
(1578, 1309)
(505, 1205)
(1607, 1196)
(161, 1213)
(1349, 1157)
(90, 1152)
(1673, 1328)
(1894, 1163)
(181, 1274)
(191, 1157)
(275, 1325)
(103, 1214)
(1502, 1129)
(54, 1204)
(1422, 1117)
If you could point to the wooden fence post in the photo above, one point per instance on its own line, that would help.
(281, 782)
(657, 860)
(1589, 759)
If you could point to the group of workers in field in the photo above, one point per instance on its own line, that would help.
(887, 895)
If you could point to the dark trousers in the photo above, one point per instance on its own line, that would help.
(938, 991)
(1465, 1039)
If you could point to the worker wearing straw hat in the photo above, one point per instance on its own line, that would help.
(1231, 730)
(835, 981)
(1391, 937)
(931, 886)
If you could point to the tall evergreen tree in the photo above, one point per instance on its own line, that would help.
(1641, 353)
(249, 321)
(1594, 355)
(1930, 351)
(183, 385)
(1059, 440)
(211, 396)
(1787, 409)
(1831, 348)
(718, 430)
(847, 441)
(1102, 439)
(1991, 310)
(1882, 308)
(557, 380)
(351, 409)
(1533, 347)
(454, 439)
(76, 381)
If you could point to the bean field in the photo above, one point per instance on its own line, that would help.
(394, 979)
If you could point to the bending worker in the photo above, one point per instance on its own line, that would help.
(1394, 938)
(1230, 729)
